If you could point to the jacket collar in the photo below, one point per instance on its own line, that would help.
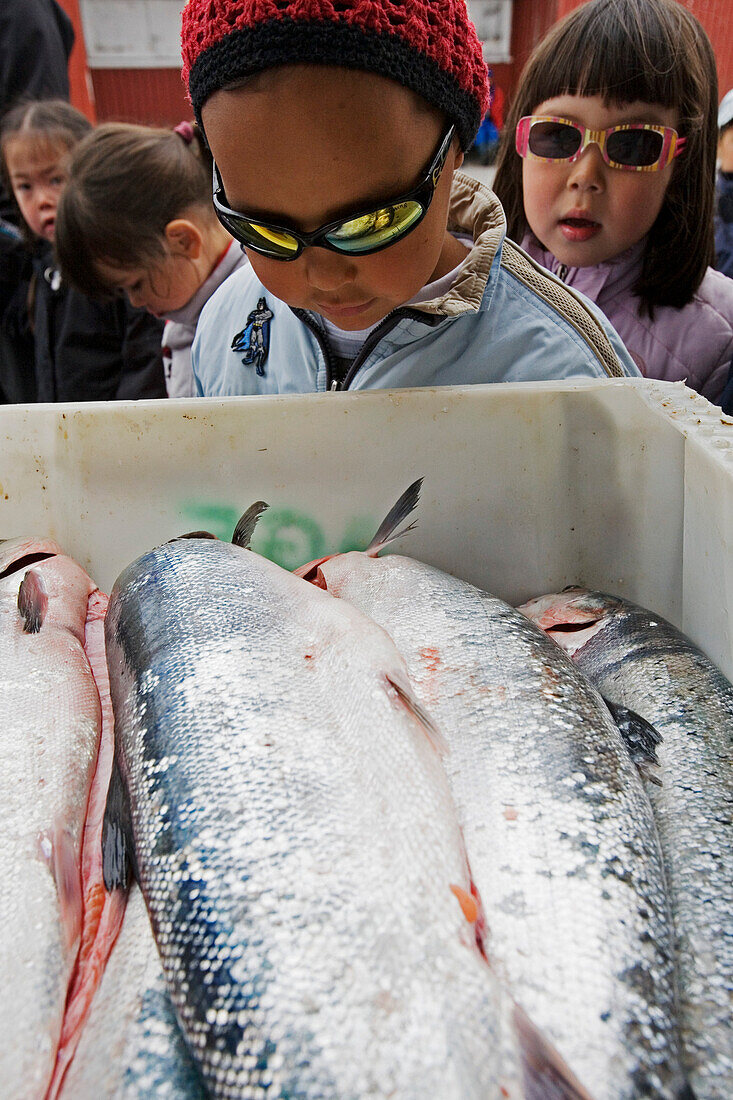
(475, 211)
(614, 275)
(189, 314)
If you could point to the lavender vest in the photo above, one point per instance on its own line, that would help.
(693, 344)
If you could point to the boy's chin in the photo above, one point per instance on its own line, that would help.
(351, 316)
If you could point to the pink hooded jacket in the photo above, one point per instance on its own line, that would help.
(693, 344)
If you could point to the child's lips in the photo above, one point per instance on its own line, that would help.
(578, 228)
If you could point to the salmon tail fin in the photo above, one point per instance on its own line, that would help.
(245, 528)
(117, 848)
(544, 1072)
(640, 738)
(32, 601)
(406, 697)
(397, 514)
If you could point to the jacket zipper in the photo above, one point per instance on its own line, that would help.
(331, 384)
(562, 272)
(385, 325)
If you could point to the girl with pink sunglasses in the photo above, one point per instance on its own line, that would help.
(606, 175)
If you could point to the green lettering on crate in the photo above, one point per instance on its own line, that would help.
(219, 519)
(286, 536)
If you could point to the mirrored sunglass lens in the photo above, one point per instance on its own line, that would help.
(635, 148)
(554, 140)
(377, 228)
(276, 242)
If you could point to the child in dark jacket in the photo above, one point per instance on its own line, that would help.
(84, 350)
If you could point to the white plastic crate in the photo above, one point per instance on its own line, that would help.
(622, 485)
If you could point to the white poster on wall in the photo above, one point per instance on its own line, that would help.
(493, 22)
(132, 34)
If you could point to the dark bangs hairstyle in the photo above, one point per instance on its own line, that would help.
(51, 125)
(126, 182)
(654, 51)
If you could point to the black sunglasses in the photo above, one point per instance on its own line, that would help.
(362, 233)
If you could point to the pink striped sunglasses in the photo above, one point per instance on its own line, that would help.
(633, 147)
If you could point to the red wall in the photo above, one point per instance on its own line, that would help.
(82, 94)
(153, 96)
(531, 20)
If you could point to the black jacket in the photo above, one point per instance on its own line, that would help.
(91, 351)
(17, 354)
(36, 37)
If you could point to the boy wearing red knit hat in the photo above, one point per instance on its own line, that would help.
(337, 131)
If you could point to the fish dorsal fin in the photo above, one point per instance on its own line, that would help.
(32, 601)
(245, 528)
(196, 535)
(398, 512)
(407, 698)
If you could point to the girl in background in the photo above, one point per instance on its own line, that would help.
(137, 217)
(607, 178)
(83, 350)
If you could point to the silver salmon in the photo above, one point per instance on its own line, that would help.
(131, 1047)
(558, 829)
(296, 842)
(51, 721)
(639, 660)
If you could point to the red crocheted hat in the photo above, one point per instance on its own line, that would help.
(429, 46)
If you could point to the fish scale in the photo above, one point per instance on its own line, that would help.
(50, 725)
(131, 1047)
(558, 829)
(638, 659)
(295, 840)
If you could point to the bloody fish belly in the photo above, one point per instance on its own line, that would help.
(50, 720)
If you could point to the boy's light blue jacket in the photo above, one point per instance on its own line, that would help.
(505, 319)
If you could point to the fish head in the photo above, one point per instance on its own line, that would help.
(18, 553)
(571, 617)
(311, 571)
(338, 572)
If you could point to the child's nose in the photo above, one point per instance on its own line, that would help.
(326, 270)
(588, 172)
(46, 196)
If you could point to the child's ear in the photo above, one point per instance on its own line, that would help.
(184, 238)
